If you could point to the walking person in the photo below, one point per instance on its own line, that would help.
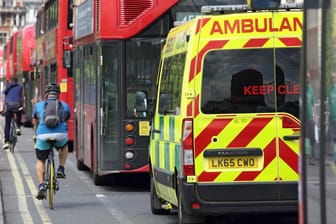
(13, 101)
(45, 128)
(310, 130)
(332, 116)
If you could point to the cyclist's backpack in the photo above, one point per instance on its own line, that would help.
(53, 112)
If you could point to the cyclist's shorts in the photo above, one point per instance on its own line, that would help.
(42, 140)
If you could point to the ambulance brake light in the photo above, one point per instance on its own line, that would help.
(252, 5)
(188, 148)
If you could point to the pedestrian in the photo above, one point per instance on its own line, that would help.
(13, 102)
(332, 115)
(310, 118)
(42, 132)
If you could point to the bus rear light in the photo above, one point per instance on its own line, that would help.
(129, 127)
(188, 148)
(195, 205)
(128, 166)
(130, 140)
(129, 155)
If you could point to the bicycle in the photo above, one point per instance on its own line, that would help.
(50, 177)
(12, 131)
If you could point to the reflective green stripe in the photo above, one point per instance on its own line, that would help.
(178, 158)
(157, 154)
(161, 127)
(166, 156)
(172, 129)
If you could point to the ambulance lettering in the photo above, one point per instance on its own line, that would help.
(260, 25)
(255, 90)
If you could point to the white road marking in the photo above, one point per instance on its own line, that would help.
(33, 190)
(22, 201)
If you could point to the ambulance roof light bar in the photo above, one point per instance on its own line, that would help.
(252, 5)
(211, 9)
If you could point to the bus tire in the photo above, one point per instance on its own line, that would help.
(184, 217)
(99, 180)
(155, 202)
(80, 165)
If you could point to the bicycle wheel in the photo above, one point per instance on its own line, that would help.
(12, 136)
(50, 178)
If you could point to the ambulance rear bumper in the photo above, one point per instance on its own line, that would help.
(243, 198)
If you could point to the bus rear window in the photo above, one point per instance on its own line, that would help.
(250, 81)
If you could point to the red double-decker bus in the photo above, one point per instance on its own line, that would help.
(116, 54)
(24, 52)
(53, 43)
(2, 74)
(12, 56)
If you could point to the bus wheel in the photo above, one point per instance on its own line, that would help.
(80, 165)
(155, 202)
(184, 217)
(99, 180)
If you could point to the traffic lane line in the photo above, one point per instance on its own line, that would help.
(18, 184)
(33, 190)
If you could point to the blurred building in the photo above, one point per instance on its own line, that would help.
(15, 14)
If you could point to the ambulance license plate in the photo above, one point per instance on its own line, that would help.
(232, 162)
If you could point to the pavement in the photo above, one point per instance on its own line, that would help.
(1, 140)
(1, 208)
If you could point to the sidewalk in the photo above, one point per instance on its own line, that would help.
(1, 140)
(1, 209)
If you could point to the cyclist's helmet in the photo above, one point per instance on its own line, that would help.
(52, 88)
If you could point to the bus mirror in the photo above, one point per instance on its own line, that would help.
(141, 105)
(67, 59)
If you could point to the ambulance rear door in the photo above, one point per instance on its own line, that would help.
(246, 125)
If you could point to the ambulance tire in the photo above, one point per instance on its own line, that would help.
(184, 217)
(155, 201)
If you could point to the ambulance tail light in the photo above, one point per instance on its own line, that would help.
(188, 148)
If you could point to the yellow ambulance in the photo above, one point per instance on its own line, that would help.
(225, 132)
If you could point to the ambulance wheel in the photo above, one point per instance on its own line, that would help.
(155, 202)
(184, 217)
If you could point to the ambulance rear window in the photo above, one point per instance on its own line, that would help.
(251, 81)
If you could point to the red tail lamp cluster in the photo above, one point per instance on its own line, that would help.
(130, 141)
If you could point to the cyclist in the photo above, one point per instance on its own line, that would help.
(42, 133)
(13, 101)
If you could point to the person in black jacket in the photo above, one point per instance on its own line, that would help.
(13, 101)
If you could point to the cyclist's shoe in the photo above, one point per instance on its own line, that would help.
(18, 131)
(60, 172)
(5, 146)
(41, 193)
